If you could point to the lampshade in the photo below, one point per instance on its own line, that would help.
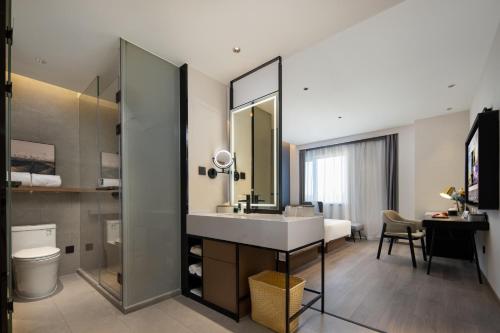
(448, 192)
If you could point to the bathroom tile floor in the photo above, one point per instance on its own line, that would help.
(77, 307)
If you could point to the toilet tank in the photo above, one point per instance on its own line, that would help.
(31, 236)
(113, 231)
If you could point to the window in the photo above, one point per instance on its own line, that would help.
(325, 179)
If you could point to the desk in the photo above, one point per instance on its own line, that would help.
(452, 237)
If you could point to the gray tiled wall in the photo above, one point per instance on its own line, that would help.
(49, 114)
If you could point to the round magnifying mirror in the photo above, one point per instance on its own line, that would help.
(223, 159)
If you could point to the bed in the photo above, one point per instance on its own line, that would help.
(336, 230)
(335, 233)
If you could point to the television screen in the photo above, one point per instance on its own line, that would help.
(473, 169)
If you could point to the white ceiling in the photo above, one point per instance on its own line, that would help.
(376, 63)
(389, 70)
(79, 39)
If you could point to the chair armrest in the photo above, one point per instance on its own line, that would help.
(417, 223)
(401, 226)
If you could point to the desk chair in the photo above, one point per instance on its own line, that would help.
(396, 227)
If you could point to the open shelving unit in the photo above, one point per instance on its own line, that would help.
(195, 281)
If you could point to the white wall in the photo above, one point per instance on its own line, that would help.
(406, 160)
(294, 175)
(439, 159)
(207, 132)
(488, 95)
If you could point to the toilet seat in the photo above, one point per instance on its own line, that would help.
(37, 254)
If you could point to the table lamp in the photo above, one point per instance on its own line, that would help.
(449, 193)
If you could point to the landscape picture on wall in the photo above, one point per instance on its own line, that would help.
(110, 165)
(33, 157)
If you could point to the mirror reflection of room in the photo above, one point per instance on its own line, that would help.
(254, 148)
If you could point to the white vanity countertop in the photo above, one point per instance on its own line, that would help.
(266, 230)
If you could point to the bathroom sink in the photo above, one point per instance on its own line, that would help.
(266, 230)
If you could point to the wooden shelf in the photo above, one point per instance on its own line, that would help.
(194, 276)
(195, 256)
(32, 189)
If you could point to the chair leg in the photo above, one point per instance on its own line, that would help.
(381, 241)
(422, 243)
(390, 246)
(359, 232)
(353, 237)
(412, 249)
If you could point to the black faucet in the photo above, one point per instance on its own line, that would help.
(248, 201)
(248, 204)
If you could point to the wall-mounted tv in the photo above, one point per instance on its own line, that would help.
(482, 161)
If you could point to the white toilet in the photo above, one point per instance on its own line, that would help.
(112, 248)
(35, 260)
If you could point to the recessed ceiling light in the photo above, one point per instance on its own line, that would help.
(452, 85)
(449, 108)
(236, 49)
(40, 60)
(306, 88)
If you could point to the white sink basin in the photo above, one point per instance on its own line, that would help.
(266, 230)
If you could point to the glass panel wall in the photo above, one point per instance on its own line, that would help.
(100, 208)
(91, 235)
(151, 169)
(109, 182)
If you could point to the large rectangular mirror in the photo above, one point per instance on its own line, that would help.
(254, 146)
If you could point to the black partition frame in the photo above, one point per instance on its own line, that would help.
(184, 175)
(4, 302)
(283, 184)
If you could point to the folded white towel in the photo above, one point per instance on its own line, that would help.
(108, 182)
(196, 291)
(23, 177)
(196, 249)
(45, 180)
(195, 269)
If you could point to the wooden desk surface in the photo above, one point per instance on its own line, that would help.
(454, 222)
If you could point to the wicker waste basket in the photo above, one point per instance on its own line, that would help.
(267, 293)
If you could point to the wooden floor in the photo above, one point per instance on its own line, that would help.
(390, 295)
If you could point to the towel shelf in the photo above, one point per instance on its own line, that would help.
(31, 189)
(195, 256)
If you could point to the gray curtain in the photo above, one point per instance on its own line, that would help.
(302, 154)
(391, 160)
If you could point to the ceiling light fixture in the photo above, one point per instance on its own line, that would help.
(339, 117)
(453, 85)
(236, 49)
(306, 88)
(449, 108)
(40, 60)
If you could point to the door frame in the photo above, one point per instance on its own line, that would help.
(3, 184)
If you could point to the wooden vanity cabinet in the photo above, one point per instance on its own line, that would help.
(219, 274)
(226, 268)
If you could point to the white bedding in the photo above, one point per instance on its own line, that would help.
(335, 229)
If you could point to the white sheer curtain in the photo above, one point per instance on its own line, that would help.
(350, 180)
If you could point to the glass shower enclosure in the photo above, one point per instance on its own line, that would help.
(100, 206)
(130, 162)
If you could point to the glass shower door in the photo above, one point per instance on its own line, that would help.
(91, 244)
(110, 273)
(100, 207)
